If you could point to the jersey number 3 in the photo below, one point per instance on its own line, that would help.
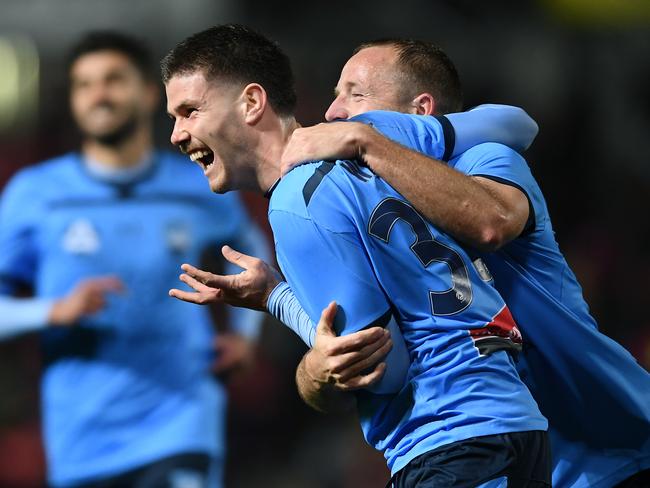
(427, 249)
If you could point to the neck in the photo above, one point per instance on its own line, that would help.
(126, 154)
(272, 140)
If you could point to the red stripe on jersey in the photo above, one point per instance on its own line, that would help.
(502, 325)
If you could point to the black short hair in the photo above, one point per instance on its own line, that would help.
(236, 54)
(108, 40)
(427, 69)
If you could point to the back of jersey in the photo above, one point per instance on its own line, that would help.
(594, 393)
(567, 357)
(351, 237)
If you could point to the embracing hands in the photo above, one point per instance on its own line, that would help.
(335, 140)
(348, 362)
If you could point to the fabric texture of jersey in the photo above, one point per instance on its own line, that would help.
(590, 388)
(343, 234)
(594, 393)
(130, 384)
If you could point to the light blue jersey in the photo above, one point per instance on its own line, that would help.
(343, 234)
(131, 384)
(594, 393)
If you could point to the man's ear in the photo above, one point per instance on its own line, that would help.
(255, 100)
(424, 104)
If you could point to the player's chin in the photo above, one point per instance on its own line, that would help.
(217, 185)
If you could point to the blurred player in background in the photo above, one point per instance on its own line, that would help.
(579, 376)
(129, 394)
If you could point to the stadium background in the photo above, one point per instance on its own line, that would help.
(581, 68)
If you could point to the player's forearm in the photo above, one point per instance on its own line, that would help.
(455, 202)
(321, 396)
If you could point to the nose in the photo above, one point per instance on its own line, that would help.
(94, 94)
(179, 135)
(336, 110)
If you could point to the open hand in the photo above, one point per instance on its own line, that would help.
(249, 289)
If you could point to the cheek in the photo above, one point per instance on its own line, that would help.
(78, 106)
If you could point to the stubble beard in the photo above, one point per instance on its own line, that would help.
(117, 136)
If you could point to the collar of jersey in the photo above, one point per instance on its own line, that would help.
(118, 175)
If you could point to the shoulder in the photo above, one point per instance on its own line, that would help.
(323, 192)
(296, 189)
(397, 125)
(423, 133)
(42, 178)
(490, 149)
(319, 183)
(490, 154)
(178, 174)
(179, 168)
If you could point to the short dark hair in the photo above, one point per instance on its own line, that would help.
(235, 53)
(108, 40)
(428, 69)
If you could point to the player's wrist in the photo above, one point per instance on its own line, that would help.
(311, 370)
(370, 145)
(60, 314)
(273, 280)
(360, 138)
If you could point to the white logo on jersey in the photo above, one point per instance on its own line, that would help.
(81, 238)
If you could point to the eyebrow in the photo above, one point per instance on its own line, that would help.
(184, 105)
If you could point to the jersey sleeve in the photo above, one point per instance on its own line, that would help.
(503, 165)
(284, 306)
(322, 265)
(426, 134)
(19, 207)
(445, 137)
(504, 124)
(23, 315)
(18, 260)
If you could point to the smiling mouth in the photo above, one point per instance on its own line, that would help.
(204, 157)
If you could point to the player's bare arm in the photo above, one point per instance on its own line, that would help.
(478, 211)
(336, 366)
(249, 289)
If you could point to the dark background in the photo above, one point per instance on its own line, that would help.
(581, 68)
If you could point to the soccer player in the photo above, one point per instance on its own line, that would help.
(578, 375)
(129, 397)
(343, 232)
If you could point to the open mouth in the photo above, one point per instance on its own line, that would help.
(204, 157)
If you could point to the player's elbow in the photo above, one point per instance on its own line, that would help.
(489, 240)
(495, 232)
